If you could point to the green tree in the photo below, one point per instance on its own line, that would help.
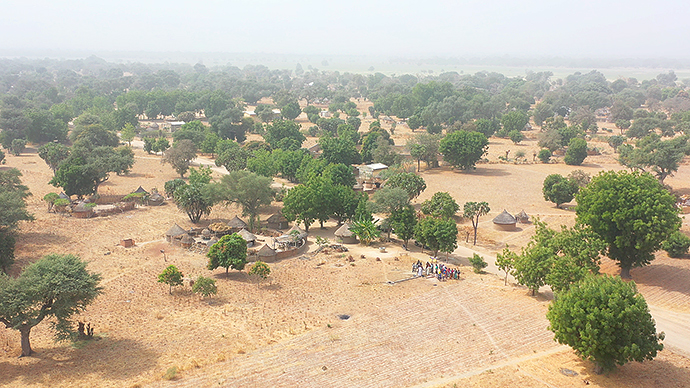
(281, 130)
(576, 152)
(229, 252)
(440, 205)
(532, 266)
(505, 261)
(438, 234)
(172, 185)
(677, 244)
(424, 147)
(559, 189)
(463, 149)
(262, 163)
(149, 144)
(474, 210)
(13, 200)
(660, 157)
(180, 155)
(57, 286)
(249, 191)
(616, 141)
(403, 221)
(127, 134)
(7, 244)
(544, 155)
(53, 154)
(261, 270)
(339, 150)
(206, 287)
(605, 321)
(18, 146)
(195, 199)
(87, 168)
(631, 212)
(365, 230)
(514, 121)
(171, 276)
(298, 205)
(478, 263)
(516, 136)
(542, 111)
(412, 183)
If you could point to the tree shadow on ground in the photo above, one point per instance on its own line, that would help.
(236, 276)
(113, 360)
(670, 278)
(654, 373)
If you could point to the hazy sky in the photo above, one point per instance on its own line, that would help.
(602, 28)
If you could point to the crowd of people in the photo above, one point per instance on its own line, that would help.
(433, 268)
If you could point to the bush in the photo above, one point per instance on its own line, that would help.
(171, 276)
(576, 152)
(544, 155)
(478, 263)
(204, 286)
(172, 185)
(170, 374)
(516, 136)
(677, 244)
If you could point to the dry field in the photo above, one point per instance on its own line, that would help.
(474, 332)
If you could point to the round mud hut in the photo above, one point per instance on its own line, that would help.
(344, 235)
(522, 217)
(83, 210)
(186, 241)
(266, 253)
(175, 232)
(156, 199)
(505, 221)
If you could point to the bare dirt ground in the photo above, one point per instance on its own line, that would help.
(472, 332)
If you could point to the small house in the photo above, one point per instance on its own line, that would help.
(373, 170)
(277, 221)
(175, 125)
(325, 114)
(173, 233)
(522, 217)
(83, 210)
(248, 237)
(344, 235)
(156, 199)
(186, 241)
(505, 221)
(236, 224)
(266, 253)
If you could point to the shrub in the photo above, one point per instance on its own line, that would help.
(170, 374)
(171, 276)
(576, 152)
(516, 136)
(677, 244)
(544, 155)
(204, 286)
(478, 263)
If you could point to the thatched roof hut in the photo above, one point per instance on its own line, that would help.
(156, 199)
(174, 232)
(220, 228)
(345, 235)
(236, 224)
(277, 221)
(266, 252)
(186, 241)
(212, 241)
(82, 210)
(248, 237)
(206, 234)
(522, 217)
(139, 190)
(505, 221)
(297, 232)
(62, 195)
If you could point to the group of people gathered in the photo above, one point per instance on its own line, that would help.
(436, 269)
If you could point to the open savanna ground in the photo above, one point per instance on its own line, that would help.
(285, 332)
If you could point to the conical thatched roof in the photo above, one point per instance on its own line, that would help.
(504, 218)
(248, 237)
(300, 233)
(156, 198)
(81, 207)
(344, 231)
(266, 251)
(175, 231)
(63, 195)
(236, 223)
(276, 218)
(187, 239)
(139, 190)
(522, 216)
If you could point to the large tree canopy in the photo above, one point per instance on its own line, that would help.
(605, 321)
(632, 212)
(463, 149)
(57, 286)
